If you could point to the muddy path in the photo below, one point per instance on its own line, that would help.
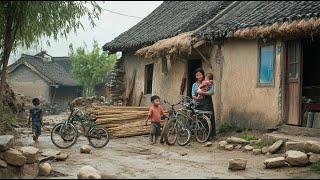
(135, 158)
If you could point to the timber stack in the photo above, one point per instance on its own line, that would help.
(117, 82)
(121, 121)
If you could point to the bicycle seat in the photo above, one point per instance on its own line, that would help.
(203, 112)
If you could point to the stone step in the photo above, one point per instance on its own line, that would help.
(299, 131)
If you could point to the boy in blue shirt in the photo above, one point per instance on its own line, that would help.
(35, 114)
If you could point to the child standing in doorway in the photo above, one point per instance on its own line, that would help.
(155, 112)
(35, 116)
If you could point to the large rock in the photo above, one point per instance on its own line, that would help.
(256, 151)
(229, 147)
(236, 140)
(237, 164)
(222, 144)
(6, 142)
(248, 148)
(45, 169)
(31, 153)
(30, 171)
(3, 164)
(88, 172)
(85, 149)
(105, 175)
(312, 146)
(275, 162)
(297, 146)
(50, 152)
(275, 146)
(314, 158)
(14, 157)
(264, 150)
(296, 158)
(61, 157)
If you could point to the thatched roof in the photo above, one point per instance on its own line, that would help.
(168, 20)
(252, 19)
(180, 44)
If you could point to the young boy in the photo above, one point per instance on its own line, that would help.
(36, 115)
(155, 112)
(206, 84)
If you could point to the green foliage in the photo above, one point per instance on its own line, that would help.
(247, 136)
(90, 68)
(34, 20)
(315, 167)
(261, 144)
(225, 127)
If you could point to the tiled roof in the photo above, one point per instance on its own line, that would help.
(169, 19)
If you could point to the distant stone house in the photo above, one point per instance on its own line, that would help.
(45, 77)
(263, 54)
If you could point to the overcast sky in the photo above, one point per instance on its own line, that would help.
(109, 26)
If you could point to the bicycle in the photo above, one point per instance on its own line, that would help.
(175, 130)
(68, 132)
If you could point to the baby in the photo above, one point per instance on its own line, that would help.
(205, 85)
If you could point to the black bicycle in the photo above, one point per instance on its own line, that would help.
(65, 134)
(175, 129)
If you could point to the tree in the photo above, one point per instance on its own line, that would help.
(23, 23)
(90, 68)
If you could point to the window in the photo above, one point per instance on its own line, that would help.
(148, 78)
(266, 64)
(293, 61)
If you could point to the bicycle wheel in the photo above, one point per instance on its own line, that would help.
(64, 135)
(202, 128)
(98, 137)
(184, 134)
(171, 132)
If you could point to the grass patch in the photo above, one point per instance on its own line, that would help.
(7, 118)
(247, 137)
(315, 167)
(225, 127)
(261, 144)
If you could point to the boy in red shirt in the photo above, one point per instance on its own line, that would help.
(155, 112)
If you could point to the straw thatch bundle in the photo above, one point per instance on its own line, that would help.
(296, 28)
(180, 44)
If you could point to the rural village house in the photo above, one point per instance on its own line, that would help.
(43, 76)
(263, 54)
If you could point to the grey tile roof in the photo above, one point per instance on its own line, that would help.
(58, 70)
(169, 19)
(255, 13)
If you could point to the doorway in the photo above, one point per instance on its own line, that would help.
(193, 64)
(303, 80)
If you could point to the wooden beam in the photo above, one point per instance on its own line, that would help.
(200, 43)
(204, 58)
(164, 65)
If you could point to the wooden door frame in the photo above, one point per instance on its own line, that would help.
(286, 80)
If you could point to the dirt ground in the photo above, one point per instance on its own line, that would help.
(135, 158)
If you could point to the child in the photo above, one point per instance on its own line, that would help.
(206, 84)
(36, 115)
(155, 112)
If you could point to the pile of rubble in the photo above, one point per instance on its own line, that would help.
(25, 162)
(88, 101)
(293, 153)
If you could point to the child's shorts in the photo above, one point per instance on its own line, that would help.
(155, 129)
(36, 128)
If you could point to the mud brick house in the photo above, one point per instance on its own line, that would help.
(264, 56)
(43, 76)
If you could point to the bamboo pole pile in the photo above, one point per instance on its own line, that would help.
(121, 121)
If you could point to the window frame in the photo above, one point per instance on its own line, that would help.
(271, 84)
(146, 76)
